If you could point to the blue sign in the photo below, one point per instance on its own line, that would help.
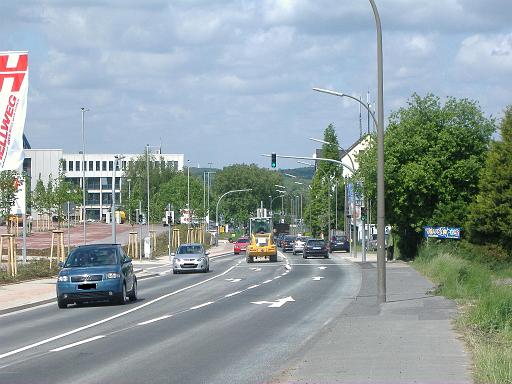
(442, 232)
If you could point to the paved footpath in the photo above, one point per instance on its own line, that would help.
(408, 339)
(30, 293)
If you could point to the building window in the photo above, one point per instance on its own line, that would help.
(70, 166)
(106, 198)
(77, 165)
(91, 165)
(98, 166)
(64, 166)
(103, 165)
(124, 165)
(110, 165)
(106, 183)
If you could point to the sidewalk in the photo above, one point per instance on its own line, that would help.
(34, 292)
(408, 339)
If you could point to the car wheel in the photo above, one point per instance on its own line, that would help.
(248, 259)
(62, 303)
(208, 268)
(121, 299)
(236, 253)
(273, 258)
(133, 294)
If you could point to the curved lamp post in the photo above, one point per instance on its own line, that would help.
(218, 202)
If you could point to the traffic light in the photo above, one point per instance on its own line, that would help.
(363, 213)
(273, 162)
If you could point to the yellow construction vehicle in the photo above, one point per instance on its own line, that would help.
(262, 245)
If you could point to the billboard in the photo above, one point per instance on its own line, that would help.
(442, 232)
(13, 108)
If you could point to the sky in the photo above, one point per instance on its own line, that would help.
(226, 81)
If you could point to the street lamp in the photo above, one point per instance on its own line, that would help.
(116, 159)
(218, 202)
(83, 174)
(188, 194)
(129, 200)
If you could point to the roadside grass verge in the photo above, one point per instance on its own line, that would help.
(483, 291)
(33, 269)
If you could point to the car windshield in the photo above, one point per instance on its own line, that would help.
(289, 238)
(189, 249)
(92, 257)
(316, 243)
(301, 239)
(242, 240)
(340, 238)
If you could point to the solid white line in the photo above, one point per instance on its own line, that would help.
(77, 343)
(202, 305)
(267, 281)
(73, 331)
(153, 320)
(27, 309)
(233, 294)
(253, 286)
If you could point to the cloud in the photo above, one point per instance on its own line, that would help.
(486, 54)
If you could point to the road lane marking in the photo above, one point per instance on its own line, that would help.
(275, 304)
(267, 281)
(256, 269)
(91, 325)
(77, 343)
(322, 267)
(156, 319)
(202, 305)
(253, 286)
(277, 277)
(233, 294)
(234, 280)
(27, 309)
(318, 278)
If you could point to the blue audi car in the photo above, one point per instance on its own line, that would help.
(98, 272)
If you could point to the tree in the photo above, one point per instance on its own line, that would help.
(490, 220)
(433, 156)
(238, 207)
(322, 191)
(61, 192)
(8, 189)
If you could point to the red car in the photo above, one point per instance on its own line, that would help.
(240, 245)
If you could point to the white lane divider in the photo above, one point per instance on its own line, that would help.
(322, 267)
(267, 281)
(256, 269)
(318, 278)
(77, 343)
(277, 277)
(234, 280)
(154, 320)
(202, 305)
(91, 325)
(233, 294)
(253, 286)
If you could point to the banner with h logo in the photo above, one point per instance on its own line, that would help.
(13, 108)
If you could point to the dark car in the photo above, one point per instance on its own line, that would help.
(315, 247)
(279, 239)
(287, 243)
(339, 243)
(99, 272)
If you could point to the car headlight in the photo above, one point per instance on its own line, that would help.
(113, 275)
(176, 260)
(200, 260)
(63, 278)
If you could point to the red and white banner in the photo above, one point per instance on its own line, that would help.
(13, 108)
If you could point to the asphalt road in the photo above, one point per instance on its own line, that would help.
(239, 323)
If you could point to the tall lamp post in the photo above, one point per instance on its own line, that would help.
(379, 122)
(218, 202)
(129, 200)
(113, 213)
(83, 174)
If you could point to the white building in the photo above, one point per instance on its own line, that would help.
(41, 163)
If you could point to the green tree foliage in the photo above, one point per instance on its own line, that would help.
(433, 156)
(322, 187)
(238, 207)
(490, 220)
(8, 191)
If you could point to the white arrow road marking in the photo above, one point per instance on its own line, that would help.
(77, 343)
(256, 269)
(234, 280)
(322, 267)
(275, 304)
(318, 278)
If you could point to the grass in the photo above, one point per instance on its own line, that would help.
(33, 269)
(484, 293)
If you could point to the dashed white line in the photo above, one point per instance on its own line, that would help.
(77, 343)
(267, 281)
(233, 294)
(202, 305)
(277, 277)
(153, 320)
(253, 286)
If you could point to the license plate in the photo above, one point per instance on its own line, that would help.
(317, 247)
(260, 258)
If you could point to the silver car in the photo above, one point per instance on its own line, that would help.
(298, 245)
(190, 257)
